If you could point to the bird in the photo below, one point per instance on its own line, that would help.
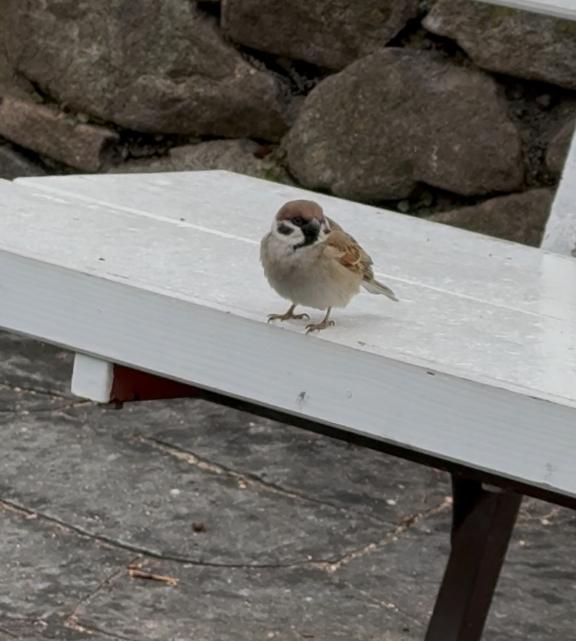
(311, 261)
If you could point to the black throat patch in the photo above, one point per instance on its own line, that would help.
(310, 236)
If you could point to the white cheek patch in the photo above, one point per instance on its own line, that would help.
(285, 229)
(293, 238)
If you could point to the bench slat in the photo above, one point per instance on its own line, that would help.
(498, 431)
(445, 326)
(560, 234)
(405, 249)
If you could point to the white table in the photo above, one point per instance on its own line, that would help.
(484, 337)
(474, 370)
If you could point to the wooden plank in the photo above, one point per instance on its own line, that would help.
(483, 521)
(406, 249)
(92, 378)
(560, 234)
(491, 429)
(557, 8)
(530, 347)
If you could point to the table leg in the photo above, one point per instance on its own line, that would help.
(483, 520)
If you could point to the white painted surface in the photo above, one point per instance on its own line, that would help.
(557, 8)
(560, 234)
(92, 378)
(229, 207)
(494, 322)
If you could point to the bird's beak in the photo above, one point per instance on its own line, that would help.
(311, 226)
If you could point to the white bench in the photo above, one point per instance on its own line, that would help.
(155, 278)
(560, 234)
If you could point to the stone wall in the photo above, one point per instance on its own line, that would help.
(450, 109)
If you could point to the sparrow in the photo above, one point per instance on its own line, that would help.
(310, 260)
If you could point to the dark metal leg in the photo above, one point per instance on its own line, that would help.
(483, 520)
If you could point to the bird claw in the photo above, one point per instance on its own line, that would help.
(316, 327)
(287, 316)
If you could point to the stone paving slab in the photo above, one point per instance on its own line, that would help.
(16, 400)
(78, 470)
(31, 365)
(536, 592)
(48, 571)
(33, 377)
(283, 604)
(267, 532)
(348, 476)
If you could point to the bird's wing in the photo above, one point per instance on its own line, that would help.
(344, 248)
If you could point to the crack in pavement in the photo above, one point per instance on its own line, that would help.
(327, 565)
(382, 604)
(34, 390)
(7, 632)
(71, 619)
(244, 479)
(69, 401)
(44, 410)
(407, 524)
(247, 479)
(91, 629)
(20, 622)
(72, 625)
(525, 516)
(107, 540)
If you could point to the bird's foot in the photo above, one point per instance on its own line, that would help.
(316, 327)
(287, 316)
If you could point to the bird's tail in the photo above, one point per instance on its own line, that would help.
(374, 287)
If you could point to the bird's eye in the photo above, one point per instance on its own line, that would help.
(299, 221)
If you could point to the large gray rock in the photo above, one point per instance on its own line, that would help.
(518, 43)
(401, 117)
(11, 84)
(518, 217)
(558, 148)
(55, 134)
(240, 156)
(329, 33)
(159, 67)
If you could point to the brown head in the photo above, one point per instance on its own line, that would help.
(300, 223)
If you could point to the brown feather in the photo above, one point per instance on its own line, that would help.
(350, 253)
(306, 209)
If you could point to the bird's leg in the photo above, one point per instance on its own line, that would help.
(316, 327)
(288, 315)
